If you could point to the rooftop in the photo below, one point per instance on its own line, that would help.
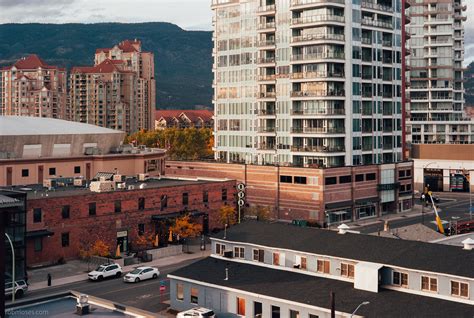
(311, 290)
(403, 253)
(413, 232)
(38, 191)
(23, 126)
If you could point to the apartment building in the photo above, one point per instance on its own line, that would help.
(118, 92)
(260, 269)
(436, 74)
(31, 87)
(308, 82)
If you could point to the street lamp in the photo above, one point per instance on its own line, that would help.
(362, 304)
(13, 267)
(423, 173)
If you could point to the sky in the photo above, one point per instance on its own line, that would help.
(188, 14)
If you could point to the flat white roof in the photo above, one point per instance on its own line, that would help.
(25, 126)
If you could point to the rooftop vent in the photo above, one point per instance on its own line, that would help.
(468, 244)
(343, 228)
(83, 307)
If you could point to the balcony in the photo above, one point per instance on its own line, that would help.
(300, 3)
(317, 37)
(263, 43)
(313, 75)
(376, 6)
(336, 148)
(266, 129)
(267, 95)
(266, 60)
(321, 93)
(318, 130)
(269, 77)
(316, 112)
(317, 19)
(266, 26)
(266, 112)
(266, 9)
(377, 23)
(318, 56)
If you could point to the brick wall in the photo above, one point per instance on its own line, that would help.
(83, 228)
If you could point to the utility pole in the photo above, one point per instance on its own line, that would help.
(333, 304)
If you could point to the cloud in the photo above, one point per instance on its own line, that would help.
(34, 3)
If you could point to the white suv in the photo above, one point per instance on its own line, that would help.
(106, 271)
(196, 312)
(21, 287)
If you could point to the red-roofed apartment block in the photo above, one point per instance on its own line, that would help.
(30, 87)
(118, 92)
(183, 119)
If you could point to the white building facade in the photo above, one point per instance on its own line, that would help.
(308, 83)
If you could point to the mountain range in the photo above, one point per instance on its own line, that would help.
(183, 59)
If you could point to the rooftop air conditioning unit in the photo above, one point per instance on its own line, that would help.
(131, 187)
(143, 176)
(121, 185)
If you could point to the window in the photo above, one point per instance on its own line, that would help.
(459, 289)
(313, 316)
(77, 169)
(370, 176)
(300, 180)
(303, 263)
(52, 171)
(224, 194)
(179, 291)
(220, 248)
(117, 206)
(25, 172)
(275, 312)
(400, 279)
(359, 177)
(37, 215)
(345, 179)
(38, 244)
(92, 208)
(257, 309)
(323, 266)
(239, 252)
(65, 211)
(141, 229)
(163, 202)
(429, 283)
(194, 295)
(330, 180)
(141, 204)
(185, 198)
(65, 239)
(205, 196)
(294, 314)
(240, 306)
(276, 258)
(286, 179)
(259, 255)
(347, 270)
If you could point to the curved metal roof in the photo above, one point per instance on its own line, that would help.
(24, 125)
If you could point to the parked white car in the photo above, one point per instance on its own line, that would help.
(21, 287)
(196, 312)
(106, 271)
(141, 273)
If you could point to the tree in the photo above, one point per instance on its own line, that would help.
(259, 211)
(100, 248)
(185, 228)
(227, 215)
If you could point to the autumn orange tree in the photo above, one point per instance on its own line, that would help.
(227, 215)
(181, 144)
(185, 228)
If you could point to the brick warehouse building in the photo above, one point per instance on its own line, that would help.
(327, 196)
(60, 223)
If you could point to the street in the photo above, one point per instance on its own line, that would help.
(143, 295)
(452, 205)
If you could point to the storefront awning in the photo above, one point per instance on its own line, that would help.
(365, 201)
(338, 205)
(159, 217)
(38, 233)
(8, 202)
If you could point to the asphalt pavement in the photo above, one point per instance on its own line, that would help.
(452, 207)
(144, 295)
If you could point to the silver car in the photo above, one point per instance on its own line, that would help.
(21, 287)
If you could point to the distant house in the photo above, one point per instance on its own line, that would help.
(183, 119)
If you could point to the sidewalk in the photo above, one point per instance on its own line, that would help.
(76, 271)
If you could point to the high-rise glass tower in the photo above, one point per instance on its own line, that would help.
(313, 83)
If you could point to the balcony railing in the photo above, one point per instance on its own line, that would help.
(321, 93)
(313, 112)
(268, 8)
(318, 130)
(266, 60)
(267, 25)
(269, 42)
(266, 129)
(318, 18)
(266, 112)
(317, 37)
(319, 74)
(270, 77)
(267, 95)
(307, 2)
(378, 23)
(376, 6)
(340, 148)
(316, 56)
